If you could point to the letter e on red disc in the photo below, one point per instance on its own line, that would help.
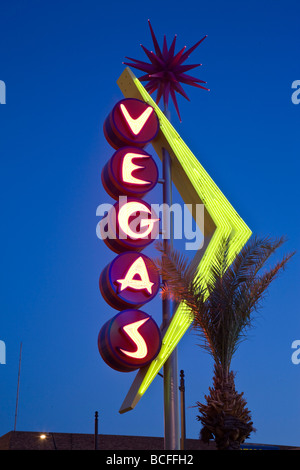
(129, 172)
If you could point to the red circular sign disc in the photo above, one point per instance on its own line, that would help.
(130, 172)
(131, 122)
(130, 280)
(129, 225)
(129, 340)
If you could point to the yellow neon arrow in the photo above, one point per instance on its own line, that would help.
(220, 221)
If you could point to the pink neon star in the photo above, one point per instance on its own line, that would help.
(165, 71)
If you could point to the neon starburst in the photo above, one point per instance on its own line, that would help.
(166, 71)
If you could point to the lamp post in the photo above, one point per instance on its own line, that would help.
(182, 409)
(96, 431)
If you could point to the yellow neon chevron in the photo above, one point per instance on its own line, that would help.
(220, 220)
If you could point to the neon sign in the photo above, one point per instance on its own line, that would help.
(195, 186)
(131, 122)
(130, 280)
(133, 333)
(130, 209)
(137, 124)
(129, 172)
(128, 167)
(131, 339)
(129, 225)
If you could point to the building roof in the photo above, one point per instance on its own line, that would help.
(27, 440)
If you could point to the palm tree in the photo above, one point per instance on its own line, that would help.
(222, 307)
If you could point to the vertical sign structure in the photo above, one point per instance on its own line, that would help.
(164, 73)
(131, 339)
(221, 221)
(128, 226)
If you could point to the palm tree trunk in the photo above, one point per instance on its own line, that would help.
(225, 417)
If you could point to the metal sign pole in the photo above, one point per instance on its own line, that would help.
(171, 409)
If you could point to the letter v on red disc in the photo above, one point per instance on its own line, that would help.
(131, 122)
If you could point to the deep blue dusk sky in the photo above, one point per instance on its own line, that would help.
(60, 62)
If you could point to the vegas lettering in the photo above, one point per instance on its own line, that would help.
(131, 339)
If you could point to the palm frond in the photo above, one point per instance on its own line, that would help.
(176, 273)
(223, 303)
